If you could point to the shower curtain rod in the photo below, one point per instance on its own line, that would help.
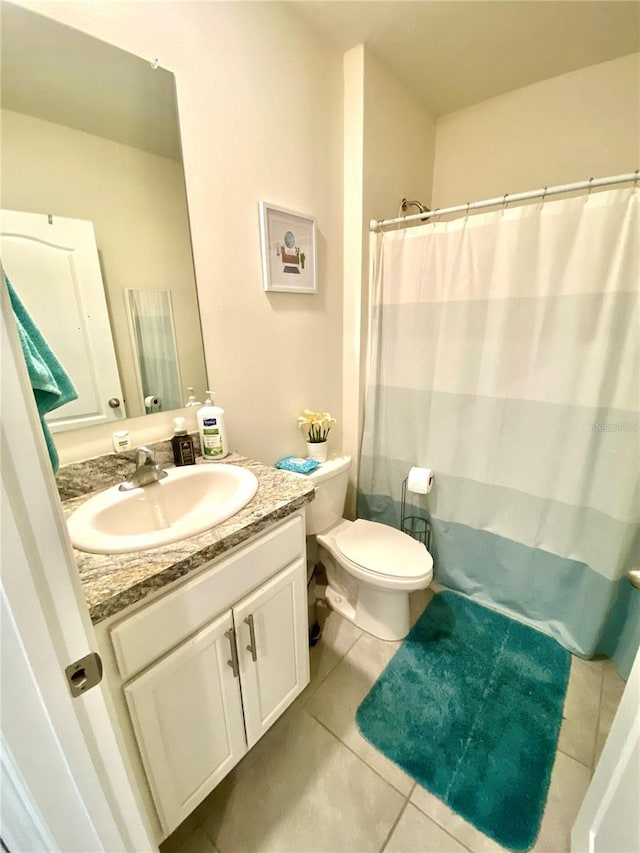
(592, 183)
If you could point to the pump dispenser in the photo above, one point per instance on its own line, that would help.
(213, 435)
(183, 450)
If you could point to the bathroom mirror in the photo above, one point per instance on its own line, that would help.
(90, 134)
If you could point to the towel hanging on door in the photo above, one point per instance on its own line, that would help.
(52, 385)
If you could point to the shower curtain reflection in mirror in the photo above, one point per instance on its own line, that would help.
(153, 340)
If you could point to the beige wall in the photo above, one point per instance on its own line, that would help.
(570, 128)
(260, 110)
(137, 204)
(389, 144)
(399, 144)
(354, 259)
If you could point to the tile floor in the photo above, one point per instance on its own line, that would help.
(313, 785)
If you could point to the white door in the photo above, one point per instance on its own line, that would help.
(273, 647)
(187, 715)
(52, 262)
(65, 786)
(609, 818)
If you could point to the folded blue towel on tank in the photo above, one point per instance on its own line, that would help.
(297, 464)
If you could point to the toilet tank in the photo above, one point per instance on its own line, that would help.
(330, 481)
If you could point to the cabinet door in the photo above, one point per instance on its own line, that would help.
(187, 716)
(273, 647)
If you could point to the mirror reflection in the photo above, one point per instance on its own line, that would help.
(95, 231)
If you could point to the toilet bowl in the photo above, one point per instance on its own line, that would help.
(371, 567)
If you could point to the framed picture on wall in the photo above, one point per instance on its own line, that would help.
(288, 242)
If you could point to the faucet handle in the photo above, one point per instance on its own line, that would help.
(147, 470)
(145, 454)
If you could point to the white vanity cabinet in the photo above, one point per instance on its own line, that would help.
(198, 708)
(187, 716)
(273, 654)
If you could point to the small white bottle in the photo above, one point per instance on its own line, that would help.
(121, 441)
(213, 435)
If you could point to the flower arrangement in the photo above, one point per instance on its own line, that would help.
(317, 425)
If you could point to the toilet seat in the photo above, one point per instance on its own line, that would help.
(382, 552)
(371, 570)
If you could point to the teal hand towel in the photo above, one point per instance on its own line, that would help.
(52, 386)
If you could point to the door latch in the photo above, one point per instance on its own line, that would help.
(84, 674)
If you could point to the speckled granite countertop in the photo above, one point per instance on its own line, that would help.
(115, 581)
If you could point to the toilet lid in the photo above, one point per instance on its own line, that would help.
(383, 550)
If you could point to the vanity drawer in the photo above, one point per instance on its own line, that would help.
(152, 631)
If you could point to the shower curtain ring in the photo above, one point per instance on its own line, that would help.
(505, 203)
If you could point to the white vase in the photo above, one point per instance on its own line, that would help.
(317, 450)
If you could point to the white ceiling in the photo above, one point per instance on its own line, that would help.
(454, 53)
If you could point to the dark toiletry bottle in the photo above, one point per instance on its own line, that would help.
(182, 443)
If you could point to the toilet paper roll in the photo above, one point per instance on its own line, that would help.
(420, 481)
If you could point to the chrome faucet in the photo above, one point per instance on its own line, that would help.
(147, 470)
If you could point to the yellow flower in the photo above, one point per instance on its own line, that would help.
(317, 424)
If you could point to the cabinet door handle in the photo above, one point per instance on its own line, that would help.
(252, 635)
(233, 663)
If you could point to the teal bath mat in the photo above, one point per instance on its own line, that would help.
(470, 706)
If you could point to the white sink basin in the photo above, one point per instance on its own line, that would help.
(188, 501)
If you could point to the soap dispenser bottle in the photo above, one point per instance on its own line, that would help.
(213, 435)
(183, 450)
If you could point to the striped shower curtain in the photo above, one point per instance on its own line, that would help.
(504, 356)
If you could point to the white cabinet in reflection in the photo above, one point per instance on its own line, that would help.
(52, 262)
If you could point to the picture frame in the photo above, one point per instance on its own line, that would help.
(288, 243)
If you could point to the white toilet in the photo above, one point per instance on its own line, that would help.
(371, 568)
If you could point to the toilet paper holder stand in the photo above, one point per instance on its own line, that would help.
(416, 526)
